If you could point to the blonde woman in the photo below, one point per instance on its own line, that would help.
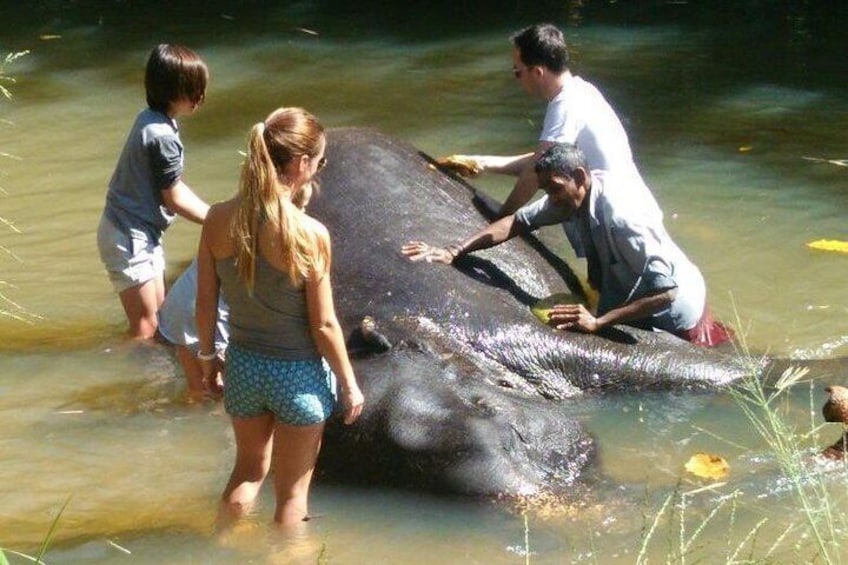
(272, 263)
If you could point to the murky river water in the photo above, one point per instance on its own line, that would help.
(739, 134)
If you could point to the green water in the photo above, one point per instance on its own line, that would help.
(723, 120)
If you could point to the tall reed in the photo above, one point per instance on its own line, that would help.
(9, 308)
(765, 406)
(816, 532)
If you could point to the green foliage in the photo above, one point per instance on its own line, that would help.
(5, 78)
(817, 532)
(8, 308)
(44, 544)
(766, 409)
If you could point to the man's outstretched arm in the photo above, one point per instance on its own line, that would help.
(494, 234)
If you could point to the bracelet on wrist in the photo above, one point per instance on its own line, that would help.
(454, 250)
(208, 356)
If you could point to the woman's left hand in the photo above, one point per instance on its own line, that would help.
(213, 379)
(352, 400)
(574, 317)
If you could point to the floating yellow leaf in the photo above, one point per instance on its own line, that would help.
(745, 148)
(829, 245)
(708, 466)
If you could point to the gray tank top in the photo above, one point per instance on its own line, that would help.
(274, 321)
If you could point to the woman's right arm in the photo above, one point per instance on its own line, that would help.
(328, 336)
(206, 305)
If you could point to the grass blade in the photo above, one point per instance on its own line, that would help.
(45, 544)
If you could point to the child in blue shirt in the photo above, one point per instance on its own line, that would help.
(147, 191)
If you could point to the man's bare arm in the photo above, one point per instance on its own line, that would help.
(494, 234)
(527, 183)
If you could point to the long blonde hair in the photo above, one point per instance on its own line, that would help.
(286, 134)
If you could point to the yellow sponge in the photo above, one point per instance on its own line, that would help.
(543, 307)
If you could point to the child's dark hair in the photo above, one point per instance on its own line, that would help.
(174, 73)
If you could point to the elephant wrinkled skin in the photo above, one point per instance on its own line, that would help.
(466, 391)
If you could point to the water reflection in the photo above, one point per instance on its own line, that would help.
(720, 117)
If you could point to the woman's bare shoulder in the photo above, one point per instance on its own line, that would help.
(317, 228)
(221, 212)
(216, 228)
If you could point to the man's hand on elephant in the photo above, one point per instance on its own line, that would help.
(573, 317)
(463, 165)
(420, 251)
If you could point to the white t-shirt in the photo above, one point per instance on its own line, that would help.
(580, 114)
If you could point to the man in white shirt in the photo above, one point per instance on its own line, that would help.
(577, 113)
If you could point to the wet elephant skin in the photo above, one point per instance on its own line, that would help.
(473, 394)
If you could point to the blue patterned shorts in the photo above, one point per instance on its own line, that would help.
(298, 393)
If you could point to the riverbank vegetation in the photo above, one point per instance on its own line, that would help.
(816, 533)
(691, 531)
(9, 308)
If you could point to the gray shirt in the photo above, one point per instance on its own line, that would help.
(273, 320)
(151, 161)
(629, 253)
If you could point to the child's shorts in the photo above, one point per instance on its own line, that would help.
(130, 259)
(298, 393)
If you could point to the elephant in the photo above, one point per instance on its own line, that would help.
(466, 391)
(436, 425)
(377, 193)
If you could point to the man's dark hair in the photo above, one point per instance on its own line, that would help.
(542, 45)
(561, 159)
(173, 73)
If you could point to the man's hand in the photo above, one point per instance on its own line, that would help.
(574, 317)
(420, 251)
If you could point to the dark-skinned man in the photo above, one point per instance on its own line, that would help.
(642, 276)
